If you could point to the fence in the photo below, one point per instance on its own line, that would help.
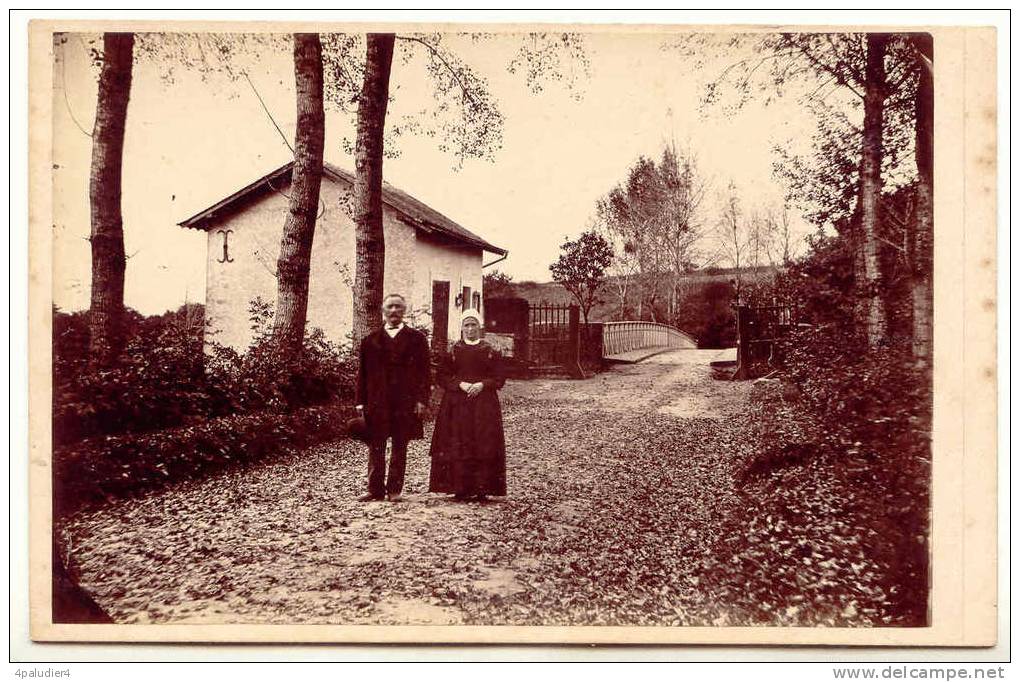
(553, 335)
(758, 329)
(623, 337)
(543, 336)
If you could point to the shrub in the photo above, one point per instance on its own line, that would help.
(821, 283)
(874, 398)
(101, 469)
(707, 313)
(70, 343)
(165, 379)
(260, 379)
(496, 284)
(846, 414)
(158, 381)
(862, 420)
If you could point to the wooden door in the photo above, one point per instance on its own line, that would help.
(440, 314)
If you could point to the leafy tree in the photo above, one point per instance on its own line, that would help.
(769, 237)
(628, 215)
(732, 238)
(682, 193)
(228, 56)
(465, 120)
(877, 69)
(581, 268)
(496, 284)
(654, 220)
(870, 195)
(825, 183)
(208, 55)
(624, 273)
(921, 243)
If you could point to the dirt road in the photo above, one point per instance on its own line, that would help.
(616, 485)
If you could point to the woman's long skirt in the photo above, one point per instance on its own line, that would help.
(468, 448)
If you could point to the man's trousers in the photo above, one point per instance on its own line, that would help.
(378, 482)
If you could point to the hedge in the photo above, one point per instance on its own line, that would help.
(99, 470)
(172, 373)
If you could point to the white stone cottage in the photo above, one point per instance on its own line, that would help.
(433, 261)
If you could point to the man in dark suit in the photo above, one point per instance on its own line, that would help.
(393, 390)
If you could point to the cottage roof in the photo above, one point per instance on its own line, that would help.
(413, 212)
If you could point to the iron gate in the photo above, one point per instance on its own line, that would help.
(552, 334)
(758, 329)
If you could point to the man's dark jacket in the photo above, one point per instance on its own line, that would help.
(393, 375)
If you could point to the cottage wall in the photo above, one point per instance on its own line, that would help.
(413, 260)
(230, 286)
(441, 260)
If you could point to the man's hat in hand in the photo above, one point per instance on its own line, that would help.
(357, 428)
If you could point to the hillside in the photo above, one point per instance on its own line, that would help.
(551, 292)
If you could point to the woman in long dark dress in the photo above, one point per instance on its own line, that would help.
(468, 449)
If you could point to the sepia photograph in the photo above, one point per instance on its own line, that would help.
(556, 326)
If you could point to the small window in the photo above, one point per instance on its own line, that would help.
(476, 301)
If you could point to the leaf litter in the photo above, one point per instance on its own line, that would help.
(623, 509)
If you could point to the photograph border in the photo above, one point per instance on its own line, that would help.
(964, 466)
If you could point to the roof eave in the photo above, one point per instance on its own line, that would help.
(427, 227)
(203, 219)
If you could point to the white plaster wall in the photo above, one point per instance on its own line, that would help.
(460, 265)
(413, 260)
(230, 286)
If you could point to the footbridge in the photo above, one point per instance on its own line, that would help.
(637, 341)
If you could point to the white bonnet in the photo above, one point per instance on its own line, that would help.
(471, 312)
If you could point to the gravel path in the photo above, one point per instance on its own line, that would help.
(616, 485)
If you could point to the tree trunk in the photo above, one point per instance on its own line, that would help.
(622, 284)
(786, 238)
(922, 265)
(106, 312)
(294, 263)
(871, 187)
(370, 259)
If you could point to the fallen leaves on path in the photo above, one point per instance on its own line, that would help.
(618, 513)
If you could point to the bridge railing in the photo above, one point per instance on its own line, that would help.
(623, 337)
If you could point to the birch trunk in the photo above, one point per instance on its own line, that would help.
(106, 311)
(294, 263)
(370, 259)
(921, 281)
(871, 188)
(623, 285)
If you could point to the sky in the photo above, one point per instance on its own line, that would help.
(191, 142)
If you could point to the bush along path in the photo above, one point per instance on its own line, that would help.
(832, 536)
(634, 498)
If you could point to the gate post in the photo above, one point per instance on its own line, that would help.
(574, 359)
(743, 343)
